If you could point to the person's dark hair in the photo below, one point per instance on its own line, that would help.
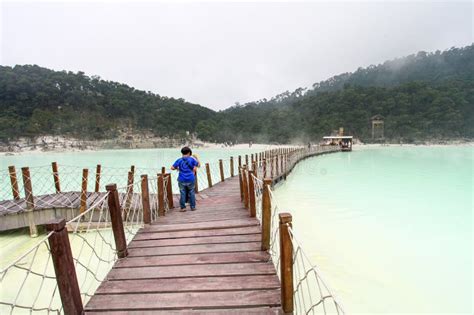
(186, 150)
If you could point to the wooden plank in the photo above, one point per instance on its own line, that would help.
(189, 285)
(145, 235)
(211, 270)
(199, 240)
(194, 249)
(202, 225)
(188, 300)
(239, 311)
(193, 259)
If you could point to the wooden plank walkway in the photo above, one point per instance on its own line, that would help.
(207, 261)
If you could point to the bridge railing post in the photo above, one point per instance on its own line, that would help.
(169, 191)
(14, 182)
(196, 182)
(85, 174)
(145, 200)
(286, 263)
(266, 214)
(57, 186)
(231, 166)
(245, 186)
(221, 170)
(264, 167)
(116, 219)
(30, 201)
(97, 177)
(129, 193)
(208, 173)
(241, 184)
(161, 194)
(64, 268)
(252, 202)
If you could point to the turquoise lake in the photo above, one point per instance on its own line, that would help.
(389, 227)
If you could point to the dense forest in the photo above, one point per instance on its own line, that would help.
(422, 96)
(37, 101)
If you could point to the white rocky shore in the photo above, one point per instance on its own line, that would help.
(68, 144)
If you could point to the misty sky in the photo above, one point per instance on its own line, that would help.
(216, 54)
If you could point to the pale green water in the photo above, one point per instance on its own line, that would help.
(390, 227)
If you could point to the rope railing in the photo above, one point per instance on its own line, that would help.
(306, 277)
(97, 238)
(303, 289)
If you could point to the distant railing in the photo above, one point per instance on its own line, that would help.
(303, 290)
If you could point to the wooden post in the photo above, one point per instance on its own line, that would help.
(129, 194)
(264, 167)
(252, 203)
(266, 214)
(276, 165)
(64, 268)
(247, 160)
(145, 200)
(209, 178)
(245, 186)
(30, 203)
(221, 170)
(97, 178)
(161, 195)
(282, 170)
(271, 166)
(286, 263)
(240, 161)
(163, 170)
(241, 184)
(56, 177)
(196, 183)
(116, 220)
(85, 174)
(232, 166)
(14, 183)
(169, 191)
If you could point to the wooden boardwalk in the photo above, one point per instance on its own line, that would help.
(207, 261)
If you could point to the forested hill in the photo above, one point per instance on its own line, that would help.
(36, 101)
(422, 96)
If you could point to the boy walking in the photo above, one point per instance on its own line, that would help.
(186, 165)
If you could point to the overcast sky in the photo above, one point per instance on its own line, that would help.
(216, 54)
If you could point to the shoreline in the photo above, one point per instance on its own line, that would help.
(69, 145)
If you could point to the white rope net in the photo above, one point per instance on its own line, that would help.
(28, 283)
